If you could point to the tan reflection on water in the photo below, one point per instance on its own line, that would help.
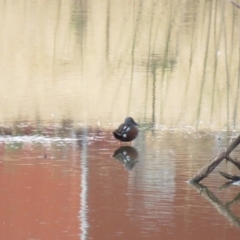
(172, 63)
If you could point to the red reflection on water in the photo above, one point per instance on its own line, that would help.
(114, 215)
(39, 200)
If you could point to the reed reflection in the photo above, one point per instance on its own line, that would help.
(182, 79)
(127, 155)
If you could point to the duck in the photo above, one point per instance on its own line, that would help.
(127, 131)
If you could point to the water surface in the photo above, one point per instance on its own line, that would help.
(88, 187)
(71, 71)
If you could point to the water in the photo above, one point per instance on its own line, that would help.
(70, 72)
(88, 187)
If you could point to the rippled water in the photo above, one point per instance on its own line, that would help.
(70, 72)
(83, 185)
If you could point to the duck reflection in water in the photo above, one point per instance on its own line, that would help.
(127, 155)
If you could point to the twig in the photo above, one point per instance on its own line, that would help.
(234, 161)
(222, 154)
(230, 177)
(235, 4)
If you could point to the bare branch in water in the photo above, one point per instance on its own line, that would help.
(223, 153)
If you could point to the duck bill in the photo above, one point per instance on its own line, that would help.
(135, 123)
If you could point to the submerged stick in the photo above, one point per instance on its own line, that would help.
(232, 178)
(223, 153)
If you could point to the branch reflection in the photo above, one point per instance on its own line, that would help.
(222, 208)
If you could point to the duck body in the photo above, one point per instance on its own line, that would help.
(127, 131)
